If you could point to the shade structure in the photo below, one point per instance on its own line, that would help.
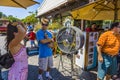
(48, 5)
(17, 3)
(99, 10)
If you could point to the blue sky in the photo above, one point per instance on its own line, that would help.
(20, 12)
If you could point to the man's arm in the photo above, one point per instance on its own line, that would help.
(101, 42)
(41, 39)
(99, 49)
(29, 36)
(51, 44)
(119, 40)
(44, 41)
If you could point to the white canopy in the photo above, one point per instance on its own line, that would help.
(48, 5)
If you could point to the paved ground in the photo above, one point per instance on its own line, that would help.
(58, 74)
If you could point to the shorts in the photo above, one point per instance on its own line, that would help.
(44, 63)
(108, 66)
(32, 42)
(118, 59)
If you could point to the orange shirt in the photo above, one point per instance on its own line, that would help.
(109, 42)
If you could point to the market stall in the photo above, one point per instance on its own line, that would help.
(88, 53)
(98, 10)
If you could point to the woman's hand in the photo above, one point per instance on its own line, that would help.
(20, 23)
(21, 29)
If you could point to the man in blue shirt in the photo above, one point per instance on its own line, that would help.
(45, 40)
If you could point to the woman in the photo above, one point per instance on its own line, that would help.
(15, 34)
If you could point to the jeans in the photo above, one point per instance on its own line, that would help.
(32, 42)
(0, 75)
(4, 75)
(108, 66)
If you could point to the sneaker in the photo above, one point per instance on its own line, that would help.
(40, 78)
(114, 77)
(49, 78)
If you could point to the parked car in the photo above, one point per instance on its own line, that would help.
(3, 26)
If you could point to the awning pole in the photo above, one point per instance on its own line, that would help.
(115, 10)
(61, 21)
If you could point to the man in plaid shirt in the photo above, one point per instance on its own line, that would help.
(108, 47)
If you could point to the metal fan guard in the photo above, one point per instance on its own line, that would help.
(70, 39)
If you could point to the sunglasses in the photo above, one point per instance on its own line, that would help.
(44, 24)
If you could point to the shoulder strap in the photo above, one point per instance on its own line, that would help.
(8, 52)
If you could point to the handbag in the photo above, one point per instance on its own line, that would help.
(6, 60)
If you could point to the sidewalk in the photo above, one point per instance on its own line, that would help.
(57, 74)
(60, 74)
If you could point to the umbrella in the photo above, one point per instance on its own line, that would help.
(17, 3)
(99, 10)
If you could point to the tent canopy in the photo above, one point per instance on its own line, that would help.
(99, 10)
(17, 3)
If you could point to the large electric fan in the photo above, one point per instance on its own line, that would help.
(70, 39)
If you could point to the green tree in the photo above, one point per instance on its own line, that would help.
(1, 14)
(11, 18)
(54, 26)
(4, 16)
(30, 19)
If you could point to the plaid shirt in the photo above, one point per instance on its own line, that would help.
(109, 42)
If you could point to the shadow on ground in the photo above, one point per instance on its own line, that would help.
(33, 74)
(85, 75)
(59, 75)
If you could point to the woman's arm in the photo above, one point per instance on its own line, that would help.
(19, 36)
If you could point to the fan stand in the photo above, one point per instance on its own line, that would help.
(71, 70)
(77, 34)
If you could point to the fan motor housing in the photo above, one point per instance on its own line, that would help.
(70, 39)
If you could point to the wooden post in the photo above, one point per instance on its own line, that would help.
(115, 10)
(61, 19)
(82, 25)
(86, 51)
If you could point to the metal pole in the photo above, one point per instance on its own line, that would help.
(60, 62)
(72, 65)
(61, 21)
